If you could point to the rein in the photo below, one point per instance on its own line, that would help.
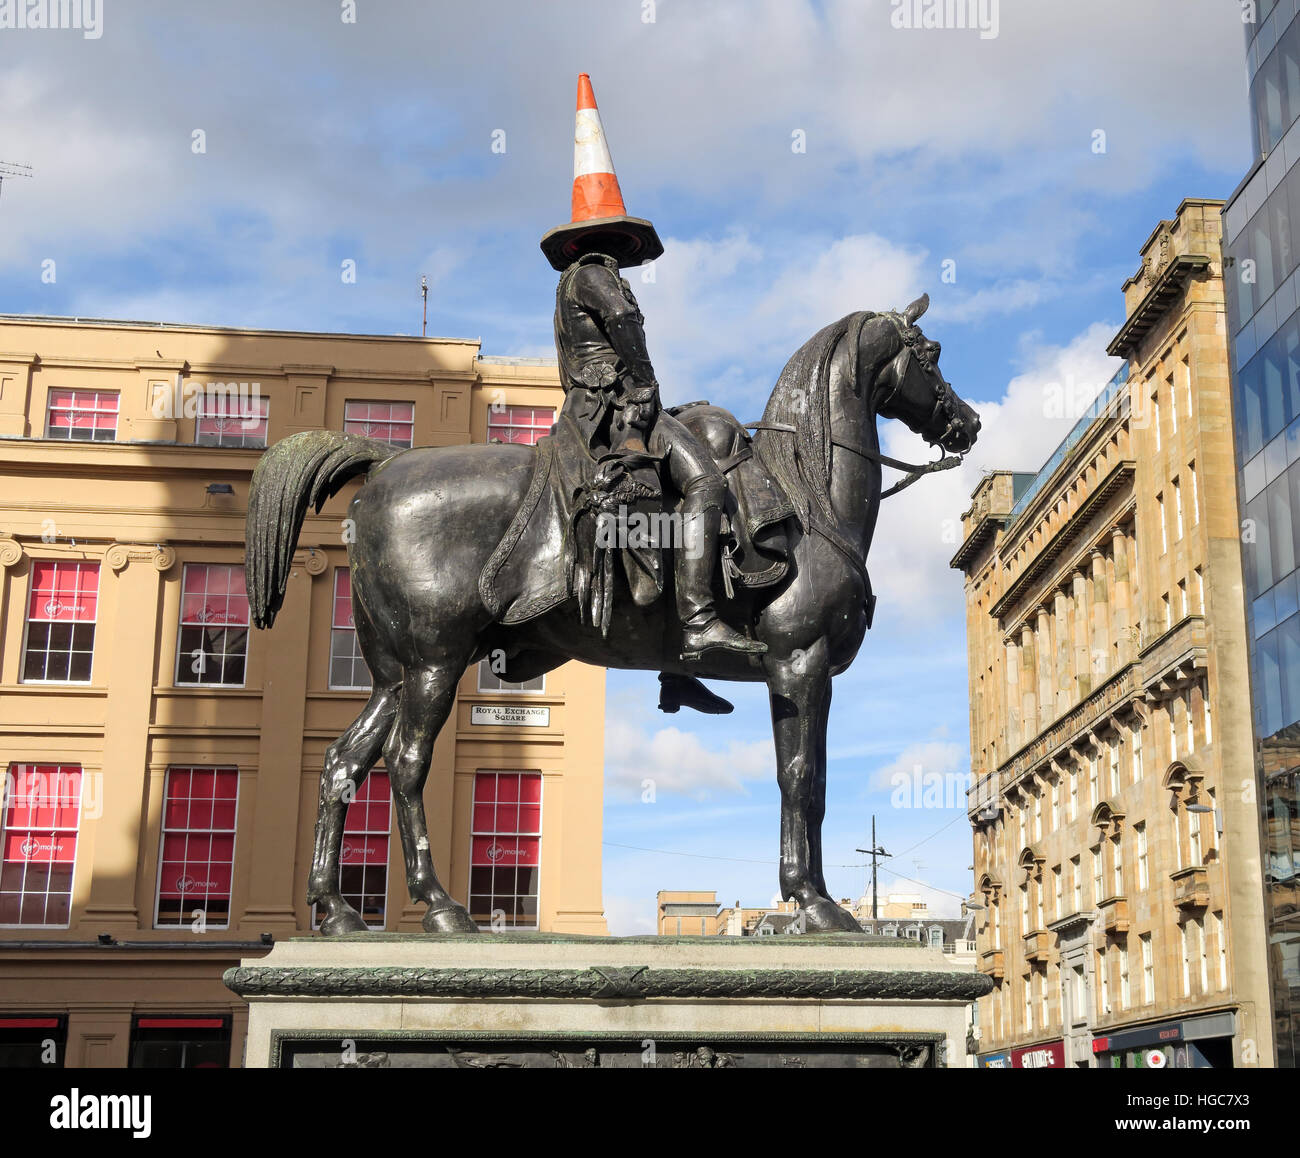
(914, 470)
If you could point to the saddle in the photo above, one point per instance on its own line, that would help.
(558, 545)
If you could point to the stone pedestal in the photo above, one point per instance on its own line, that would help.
(530, 1000)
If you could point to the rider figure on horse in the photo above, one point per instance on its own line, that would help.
(612, 393)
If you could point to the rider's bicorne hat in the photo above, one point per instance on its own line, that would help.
(600, 223)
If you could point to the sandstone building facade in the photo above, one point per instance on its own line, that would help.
(161, 759)
(1116, 839)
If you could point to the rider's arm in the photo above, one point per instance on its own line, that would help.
(599, 291)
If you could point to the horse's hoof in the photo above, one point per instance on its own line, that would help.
(453, 919)
(349, 921)
(828, 917)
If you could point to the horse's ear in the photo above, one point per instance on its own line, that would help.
(916, 309)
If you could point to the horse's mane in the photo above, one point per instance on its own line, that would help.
(801, 460)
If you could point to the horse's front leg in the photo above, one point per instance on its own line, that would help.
(799, 687)
(817, 803)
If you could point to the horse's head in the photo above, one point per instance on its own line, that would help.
(910, 387)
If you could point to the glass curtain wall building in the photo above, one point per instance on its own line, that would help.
(1262, 284)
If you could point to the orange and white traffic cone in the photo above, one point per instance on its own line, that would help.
(599, 221)
(595, 187)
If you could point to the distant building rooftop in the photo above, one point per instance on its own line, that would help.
(130, 324)
(1098, 407)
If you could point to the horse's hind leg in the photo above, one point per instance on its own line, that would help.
(347, 763)
(426, 698)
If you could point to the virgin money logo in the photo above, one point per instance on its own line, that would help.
(193, 885)
(33, 846)
(497, 852)
(55, 607)
(357, 851)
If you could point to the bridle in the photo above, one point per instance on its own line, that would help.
(945, 398)
(945, 406)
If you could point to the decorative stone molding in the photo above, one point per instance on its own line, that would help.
(121, 554)
(1183, 776)
(637, 983)
(315, 563)
(1191, 887)
(1113, 914)
(1108, 817)
(1031, 859)
(11, 552)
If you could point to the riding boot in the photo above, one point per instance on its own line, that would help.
(679, 691)
(694, 560)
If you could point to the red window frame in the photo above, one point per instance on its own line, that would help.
(363, 858)
(345, 652)
(226, 419)
(213, 622)
(522, 425)
(62, 609)
(387, 421)
(180, 1042)
(38, 844)
(82, 415)
(196, 857)
(505, 848)
(37, 1042)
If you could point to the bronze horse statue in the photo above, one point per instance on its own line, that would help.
(426, 520)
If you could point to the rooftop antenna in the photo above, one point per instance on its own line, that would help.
(12, 169)
(873, 852)
(424, 293)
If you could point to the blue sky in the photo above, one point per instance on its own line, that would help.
(327, 141)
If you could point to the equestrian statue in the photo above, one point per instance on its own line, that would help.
(754, 568)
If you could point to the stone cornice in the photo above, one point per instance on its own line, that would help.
(1063, 924)
(635, 983)
(1122, 473)
(984, 532)
(1164, 289)
(1067, 729)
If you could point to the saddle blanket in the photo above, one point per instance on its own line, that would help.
(550, 552)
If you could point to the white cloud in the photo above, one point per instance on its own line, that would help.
(630, 916)
(924, 759)
(862, 271)
(362, 135)
(680, 763)
(919, 530)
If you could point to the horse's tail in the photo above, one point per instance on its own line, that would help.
(305, 468)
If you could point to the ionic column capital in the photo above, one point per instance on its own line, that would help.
(119, 555)
(11, 553)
